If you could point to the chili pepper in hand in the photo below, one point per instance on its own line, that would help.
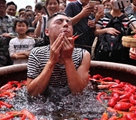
(122, 106)
(76, 36)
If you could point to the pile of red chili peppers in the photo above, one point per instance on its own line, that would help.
(119, 98)
(9, 91)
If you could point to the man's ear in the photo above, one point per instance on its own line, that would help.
(47, 32)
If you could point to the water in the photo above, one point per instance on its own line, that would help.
(57, 106)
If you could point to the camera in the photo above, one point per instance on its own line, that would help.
(121, 4)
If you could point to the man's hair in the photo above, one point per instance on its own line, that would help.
(54, 15)
(11, 3)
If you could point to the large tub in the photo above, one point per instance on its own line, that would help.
(123, 72)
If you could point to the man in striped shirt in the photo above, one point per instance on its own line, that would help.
(58, 64)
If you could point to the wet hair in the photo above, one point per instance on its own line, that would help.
(54, 15)
(11, 3)
(47, 2)
(19, 21)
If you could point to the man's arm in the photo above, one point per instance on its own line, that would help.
(78, 79)
(86, 11)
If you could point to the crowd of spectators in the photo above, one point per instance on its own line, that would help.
(86, 20)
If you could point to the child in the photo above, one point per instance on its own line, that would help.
(20, 46)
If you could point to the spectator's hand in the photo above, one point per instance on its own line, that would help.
(132, 53)
(6, 35)
(112, 31)
(99, 15)
(91, 23)
(86, 11)
(39, 17)
(55, 48)
(67, 48)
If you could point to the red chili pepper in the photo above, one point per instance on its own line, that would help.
(7, 94)
(98, 97)
(5, 87)
(126, 95)
(104, 116)
(28, 114)
(117, 81)
(7, 117)
(107, 79)
(113, 100)
(122, 106)
(23, 117)
(132, 99)
(132, 108)
(130, 116)
(120, 85)
(76, 36)
(5, 104)
(97, 76)
(116, 90)
(113, 110)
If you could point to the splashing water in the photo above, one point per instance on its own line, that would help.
(58, 106)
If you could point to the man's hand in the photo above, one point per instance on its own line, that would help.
(67, 48)
(56, 48)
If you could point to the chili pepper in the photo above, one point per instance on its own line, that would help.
(130, 116)
(5, 87)
(113, 100)
(103, 86)
(126, 95)
(5, 104)
(107, 83)
(124, 100)
(107, 79)
(97, 76)
(117, 81)
(132, 108)
(23, 117)
(7, 94)
(7, 117)
(113, 110)
(98, 97)
(122, 106)
(132, 99)
(120, 85)
(104, 116)
(28, 114)
(76, 36)
(116, 90)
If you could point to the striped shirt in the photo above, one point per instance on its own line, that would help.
(38, 58)
(102, 22)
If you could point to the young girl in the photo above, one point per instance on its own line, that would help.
(20, 46)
